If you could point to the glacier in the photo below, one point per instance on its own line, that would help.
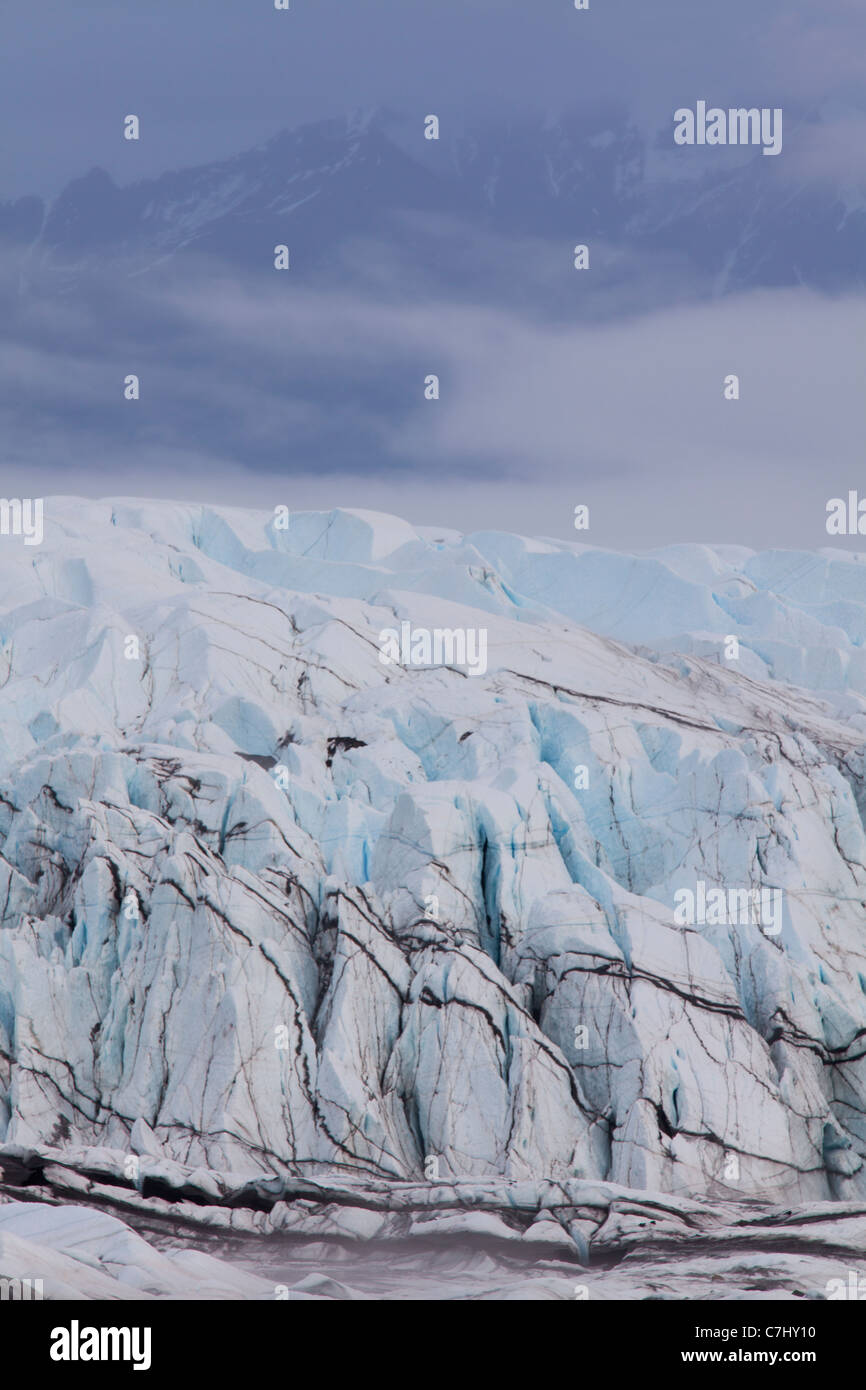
(296, 941)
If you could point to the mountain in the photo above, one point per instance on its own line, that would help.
(395, 244)
(590, 176)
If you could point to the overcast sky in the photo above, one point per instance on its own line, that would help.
(211, 77)
(626, 416)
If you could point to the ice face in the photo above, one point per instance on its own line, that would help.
(268, 901)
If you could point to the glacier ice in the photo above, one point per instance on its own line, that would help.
(272, 909)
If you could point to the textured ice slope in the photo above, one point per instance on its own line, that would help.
(81, 1254)
(218, 941)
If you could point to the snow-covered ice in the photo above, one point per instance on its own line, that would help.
(273, 909)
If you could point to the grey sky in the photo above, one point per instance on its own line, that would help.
(628, 417)
(209, 77)
(537, 414)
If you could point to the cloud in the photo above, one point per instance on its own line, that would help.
(211, 77)
(316, 399)
(608, 391)
(816, 51)
(832, 153)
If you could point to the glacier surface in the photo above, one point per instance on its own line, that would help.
(273, 909)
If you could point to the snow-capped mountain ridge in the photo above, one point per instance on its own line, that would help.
(591, 176)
